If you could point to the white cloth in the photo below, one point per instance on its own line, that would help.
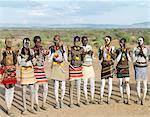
(88, 58)
(136, 57)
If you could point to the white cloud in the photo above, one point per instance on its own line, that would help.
(37, 13)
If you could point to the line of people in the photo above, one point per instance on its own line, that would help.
(73, 64)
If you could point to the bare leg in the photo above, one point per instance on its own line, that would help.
(63, 89)
(85, 90)
(102, 90)
(56, 85)
(71, 87)
(78, 91)
(32, 98)
(109, 89)
(45, 93)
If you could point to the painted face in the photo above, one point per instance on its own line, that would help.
(9, 43)
(26, 43)
(107, 40)
(38, 43)
(57, 40)
(84, 41)
(77, 43)
(140, 41)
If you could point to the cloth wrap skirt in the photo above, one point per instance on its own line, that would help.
(27, 75)
(40, 74)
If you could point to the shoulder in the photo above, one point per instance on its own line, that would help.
(118, 49)
(89, 46)
(102, 47)
(3, 50)
(112, 47)
(72, 47)
(51, 47)
(135, 48)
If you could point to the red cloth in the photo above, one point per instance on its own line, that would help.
(9, 75)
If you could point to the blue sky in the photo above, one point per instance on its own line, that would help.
(35, 12)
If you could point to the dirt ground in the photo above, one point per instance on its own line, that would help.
(114, 109)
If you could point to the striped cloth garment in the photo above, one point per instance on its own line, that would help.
(75, 73)
(122, 71)
(40, 74)
(27, 75)
(108, 69)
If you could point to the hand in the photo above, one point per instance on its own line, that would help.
(90, 52)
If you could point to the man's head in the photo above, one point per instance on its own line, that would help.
(9, 43)
(107, 40)
(140, 41)
(84, 40)
(77, 41)
(56, 40)
(26, 43)
(37, 41)
(122, 42)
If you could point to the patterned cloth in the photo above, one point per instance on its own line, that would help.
(9, 75)
(122, 71)
(122, 66)
(1, 73)
(107, 55)
(26, 67)
(108, 70)
(40, 74)
(39, 58)
(75, 56)
(75, 73)
(27, 75)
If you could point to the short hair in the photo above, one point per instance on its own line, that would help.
(76, 37)
(123, 39)
(7, 40)
(83, 37)
(56, 36)
(36, 38)
(108, 37)
(141, 37)
(27, 39)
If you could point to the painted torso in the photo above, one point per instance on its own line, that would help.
(76, 56)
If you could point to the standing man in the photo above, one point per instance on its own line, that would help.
(59, 59)
(27, 77)
(140, 60)
(8, 70)
(106, 57)
(39, 58)
(123, 57)
(75, 56)
(88, 71)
